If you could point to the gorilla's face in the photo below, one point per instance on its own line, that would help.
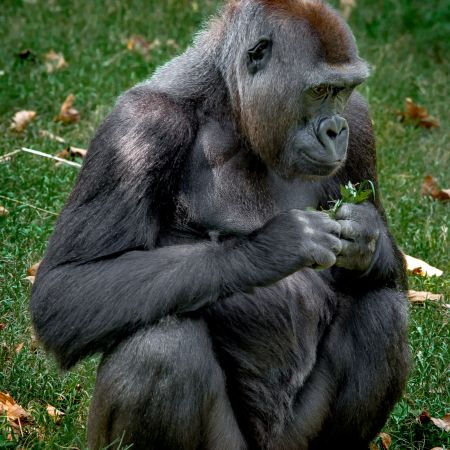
(292, 99)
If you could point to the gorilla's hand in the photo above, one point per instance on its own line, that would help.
(296, 239)
(361, 228)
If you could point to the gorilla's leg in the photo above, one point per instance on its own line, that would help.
(359, 375)
(162, 389)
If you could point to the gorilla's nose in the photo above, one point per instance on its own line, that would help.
(333, 134)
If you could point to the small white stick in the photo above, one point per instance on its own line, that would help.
(46, 155)
(28, 205)
(6, 157)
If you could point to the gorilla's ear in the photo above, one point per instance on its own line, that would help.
(259, 55)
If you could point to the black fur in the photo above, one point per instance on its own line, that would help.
(185, 254)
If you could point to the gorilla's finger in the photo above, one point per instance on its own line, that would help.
(350, 230)
(324, 259)
(346, 212)
(348, 248)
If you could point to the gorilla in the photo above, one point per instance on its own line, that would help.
(195, 255)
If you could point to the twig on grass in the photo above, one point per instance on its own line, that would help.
(46, 155)
(7, 157)
(28, 205)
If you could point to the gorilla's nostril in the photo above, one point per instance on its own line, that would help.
(331, 134)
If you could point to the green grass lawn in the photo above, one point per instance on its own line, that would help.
(407, 43)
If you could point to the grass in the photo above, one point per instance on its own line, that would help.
(406, 41)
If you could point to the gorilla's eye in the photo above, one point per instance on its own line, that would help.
(320, 91)
(256, 53)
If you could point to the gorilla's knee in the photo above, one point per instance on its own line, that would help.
(156, 389)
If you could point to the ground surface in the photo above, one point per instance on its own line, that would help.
(406, 41)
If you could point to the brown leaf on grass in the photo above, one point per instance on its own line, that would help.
(33, 269)
(19, 348)
(68, 114)
(15, 414)
(55, 414)
(3, 211)
(443, 423)
(386, 440)
(346, 7)
(139, 44)
(2, 326)
(54, 61)
(31, 272)
(80, 152)
(21, 119)
(430, 187)
(417, 115)
(65, 154)
(419, 297)
(373, 446)
(418, 267)
(72, 152)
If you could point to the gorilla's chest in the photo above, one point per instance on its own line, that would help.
(227, 189)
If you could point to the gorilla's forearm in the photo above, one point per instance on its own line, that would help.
(80, 309)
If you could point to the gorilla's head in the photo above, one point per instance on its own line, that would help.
(289, 81)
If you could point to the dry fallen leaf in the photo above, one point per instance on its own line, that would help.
(418, 267)
(19, 347)
(68, 114)
(139, 44)
(419, 297)
(346, 7)
(31, 272)
(417, 115)
(33, 269)
(386, 440)
(430, 187)
(55, 414)
(2, 326)
(373, 446)
(21, 119)
(72, 152)
(443, 423)
(65, 154)
(3, 211)
(80, 152)
(15, 414)
(54, 61)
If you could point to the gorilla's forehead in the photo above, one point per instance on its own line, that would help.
(323, 23)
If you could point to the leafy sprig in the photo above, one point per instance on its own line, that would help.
(352, 193)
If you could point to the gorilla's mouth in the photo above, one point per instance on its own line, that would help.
(323, 165)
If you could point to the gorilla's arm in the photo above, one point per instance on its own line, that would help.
(103, 275)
